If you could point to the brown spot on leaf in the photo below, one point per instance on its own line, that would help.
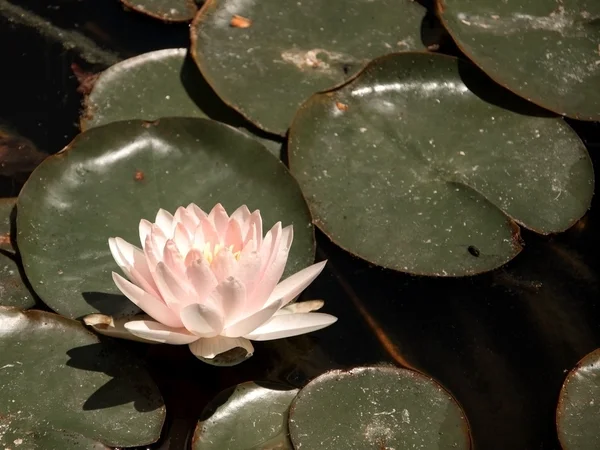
(240, 22)
(139, 175)
(341, 106)
(5, 239)
(86, 79)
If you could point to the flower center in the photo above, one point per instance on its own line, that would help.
(210, 253)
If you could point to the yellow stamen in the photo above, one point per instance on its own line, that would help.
(210, 254)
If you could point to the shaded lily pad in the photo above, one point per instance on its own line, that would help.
(14, 438)
(377, 407)
(265, 58)
(112, 176)
(167, 10)
(408, 168)
(57, 375)
(578, 412)
(163, 83)
(13, 289)
(249, 416)
(546, 51)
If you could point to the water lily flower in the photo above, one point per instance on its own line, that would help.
(212, 281)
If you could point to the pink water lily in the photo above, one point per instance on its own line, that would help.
(212, 281)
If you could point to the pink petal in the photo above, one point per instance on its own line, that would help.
(202, 320)
(211, 347)
(187, 219)
(250, 323)
(218, 216)
(202, 279)
(153, 253)
(195, 210)
(287, 325)
(164, 220)
(231, 296)
(270, 246)
(224, 264)
(274, 270)
(132, 262)
(233, 236)
(151, 305)
(158, 332)
(254, 229)
(145, 227)
(209, 231)
(173, 259)
(199, 239)
(182, 239)
(292, 286)
(171, 288)
(242, 215)
(248, 269)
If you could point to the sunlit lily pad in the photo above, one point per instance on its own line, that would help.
(407, 167)
(57, 375)
(578, 412)
(249, 416)
(377, 407)
(265, 58)
(15, 438)
(167, 10)
(112, 176)
(13, 290)
(546, 51)
(163, 83)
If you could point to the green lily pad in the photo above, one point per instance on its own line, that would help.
(112, 176)
(408, 168)
(57, 375)
(265, 58)
(578, 412)
(377, 407)
(166, 10)
(163, 83)
(249, 416)
(13, 288)
(17, 439)
(546, 51)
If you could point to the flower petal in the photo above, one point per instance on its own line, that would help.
(224, 264)
(172, 289)
(154, 307)
(155, 331)
(202, 279)
(230, 294)
(273, 271)
(164, 220)
(115, 328)
(301, 307)
(182, 239)
(145, 227)
(218, 216)
(242, 215)
(286, 325)
(211, 347)
(209, 232)
(248, 269)
(196, 211)
(233, 236)
(133, 263)
(202, 320)
(173, 259)
(252, 322)
(292, 286)
(256, 226)
(187, 219)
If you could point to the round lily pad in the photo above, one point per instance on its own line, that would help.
(546, 51)
(166, 10)
(407, 167)
(13, 287)
(578, 412)
(249, 416)
(265, 58)
(111, 177)
(17, 439)
(57, 375)
(377, 407)
(162, 83)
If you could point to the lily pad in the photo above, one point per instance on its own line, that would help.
(578, 412)
(112, 176)
(407, 167)
(546, 51)
(163, 83)
(14, 438)
(377, 407)
(57, 375)
(249, 416)
(166, 10)
(13, 288)
(265, 58)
